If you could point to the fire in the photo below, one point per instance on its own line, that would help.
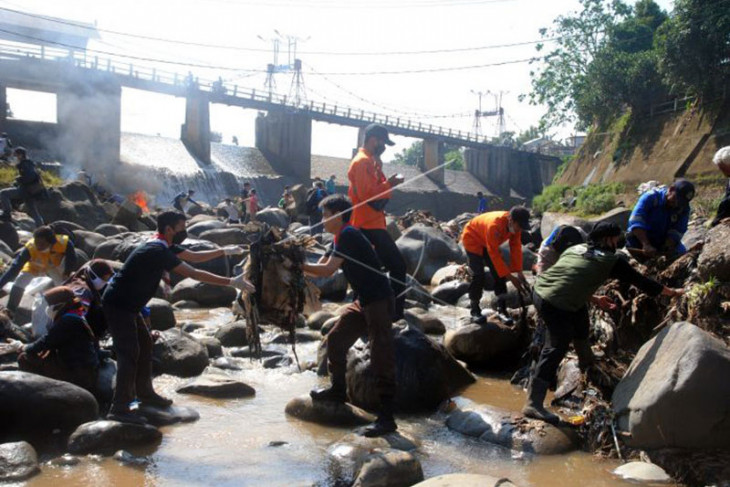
(140, 199)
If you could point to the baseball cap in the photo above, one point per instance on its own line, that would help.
(378, 131)
(684, 190)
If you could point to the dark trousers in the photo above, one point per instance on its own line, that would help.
(476, 265)
(562, 328)
(133, 348)
(391, 258)
(375, 321)
(51, 366)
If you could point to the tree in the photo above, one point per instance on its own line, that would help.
(694, 46)
(413, 156)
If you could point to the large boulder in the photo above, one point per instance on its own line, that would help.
(110, 436)
(696, 233)
(714, 261)
(425, 321)
(217, 385)
(333, 288)
(233, 334)
(426, 373)
(88, 241)
(225, 236)
(207, 295)
(161, 314)
(9, 235)
(328, 413)
(489, 344)
(510, 430)
(196, 229)
(450, 292)
(275, 217)
(18, 461)
(109, 230)
(619, 216)
(74, 202)
(389, 468)
(529, 258)
(426, 250)
(681, 373)
(31, 403)
(179, 354)
(451, 272)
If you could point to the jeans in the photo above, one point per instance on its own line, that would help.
(391, 258)
(7, 196)
(476, 265)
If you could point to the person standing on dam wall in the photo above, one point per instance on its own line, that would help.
(369, 192)
(659, 221)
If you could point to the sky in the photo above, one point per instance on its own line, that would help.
(347, 48)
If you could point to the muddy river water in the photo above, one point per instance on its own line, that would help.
(231, 443)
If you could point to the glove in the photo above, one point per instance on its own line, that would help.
(239, 282)
(232, 250)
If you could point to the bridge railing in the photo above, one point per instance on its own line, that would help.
(142, 72)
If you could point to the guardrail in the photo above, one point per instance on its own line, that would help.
(122, 68)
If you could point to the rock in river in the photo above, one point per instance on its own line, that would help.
(219, 386)
(179, 354)
(328, 413)
(110, 436)
(18, 461)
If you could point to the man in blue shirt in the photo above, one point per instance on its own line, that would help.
(330, 185)
(482, 203)
(659, 220)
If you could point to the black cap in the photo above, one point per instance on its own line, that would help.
(604, 229)
(684, 190)
(378, 131)
(521, 216)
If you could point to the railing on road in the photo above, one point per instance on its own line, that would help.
(122, 68)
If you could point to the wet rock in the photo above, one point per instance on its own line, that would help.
(512, 430)
(161, 314)
(426, 373)
(233, 334)
(426, 250)
(108, 436)
(196, 229)
(109, 230)
(18, 461)
(66, 460)
(714, 261)
(206, 294)
(680, 373)
(226, 363)
(277, 361)
(389, 468)
(179, 354)
(465, 480)
(274, 217)
(302, 336)
(642, 472)
(450, 292)
(158, 416)
(333, 288)
(186, 304)
(425, 321)
(266, 351)
(318, 319)
(446, 274)
(211, 344)
(126, 458)
(327, 413)
(225, 236)
(490, 344)
(35, 404)
(217, 386)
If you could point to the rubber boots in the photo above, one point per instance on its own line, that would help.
(337, 392)
(385, 422)
(585, 353)
(476, 314)
(502, 313)
(535, 398)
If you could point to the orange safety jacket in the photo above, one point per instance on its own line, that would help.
(488, 231)
(367, 183)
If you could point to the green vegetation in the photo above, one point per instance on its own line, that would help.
(8, 175)
(590, 200)
(700, 292)
(413, 156)
(610, 57)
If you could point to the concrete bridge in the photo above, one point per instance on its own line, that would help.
(88, 94)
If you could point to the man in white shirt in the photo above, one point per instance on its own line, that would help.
(232, 211)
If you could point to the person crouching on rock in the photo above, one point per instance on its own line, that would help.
(68, 351)
(130, 290)
(481, 238)
(371, 313)
(46, 254)
(561, 296)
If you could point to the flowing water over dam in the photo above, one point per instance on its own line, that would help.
(231, 443)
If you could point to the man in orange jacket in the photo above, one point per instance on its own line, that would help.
(481, 238)
(370, 192)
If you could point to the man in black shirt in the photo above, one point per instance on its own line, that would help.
(130, 290)
(371, 313)
(722, 161)
(28, 187)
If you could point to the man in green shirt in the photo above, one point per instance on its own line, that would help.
(561, 296)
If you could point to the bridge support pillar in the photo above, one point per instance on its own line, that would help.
(285, 139)
(3, 107)
(433, 157)
(89, 124)
(195, 132)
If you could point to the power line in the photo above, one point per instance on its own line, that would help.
(257, 49)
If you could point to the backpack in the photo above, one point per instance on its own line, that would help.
(313, 199)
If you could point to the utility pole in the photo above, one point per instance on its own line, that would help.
(297, 90)
(477, 126)
(498, 112)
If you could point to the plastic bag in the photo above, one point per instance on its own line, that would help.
(39, 317)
